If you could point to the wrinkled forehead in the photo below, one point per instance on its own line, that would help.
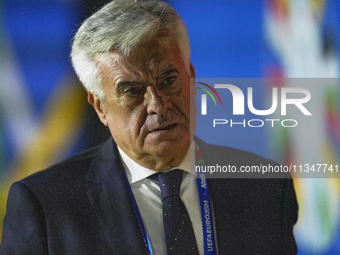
(159, 51)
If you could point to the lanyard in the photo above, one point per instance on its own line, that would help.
(207, 220)
(139, 218)
(206, 212)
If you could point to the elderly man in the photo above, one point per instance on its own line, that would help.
(135, 194)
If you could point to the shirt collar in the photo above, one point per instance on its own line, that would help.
(136, 172)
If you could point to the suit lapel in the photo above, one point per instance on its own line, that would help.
(111, 201)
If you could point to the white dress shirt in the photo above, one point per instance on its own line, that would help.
(147, 194)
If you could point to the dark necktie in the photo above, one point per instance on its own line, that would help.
(179, 234)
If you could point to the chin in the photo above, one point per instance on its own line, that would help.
(169, 148)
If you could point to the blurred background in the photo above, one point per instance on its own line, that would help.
(44, 115)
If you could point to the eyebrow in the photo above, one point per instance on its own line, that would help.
(168, 72)
(126, 83)
(134, 83)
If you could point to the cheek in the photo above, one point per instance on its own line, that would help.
(128, 119)
(136, 118)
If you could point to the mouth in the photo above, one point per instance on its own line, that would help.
(164, 129)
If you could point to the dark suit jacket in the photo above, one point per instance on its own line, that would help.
(83, 206)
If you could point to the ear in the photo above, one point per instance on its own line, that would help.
(193, 79)
(192, 71)
(98, 106)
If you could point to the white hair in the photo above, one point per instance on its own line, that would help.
(120, 26)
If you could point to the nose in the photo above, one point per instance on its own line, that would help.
(156, 102)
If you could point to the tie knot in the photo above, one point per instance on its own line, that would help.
(169, 182)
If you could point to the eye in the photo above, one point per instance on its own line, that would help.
(168, 81)
(134, 92)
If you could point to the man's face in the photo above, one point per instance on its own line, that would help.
(147, 102)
